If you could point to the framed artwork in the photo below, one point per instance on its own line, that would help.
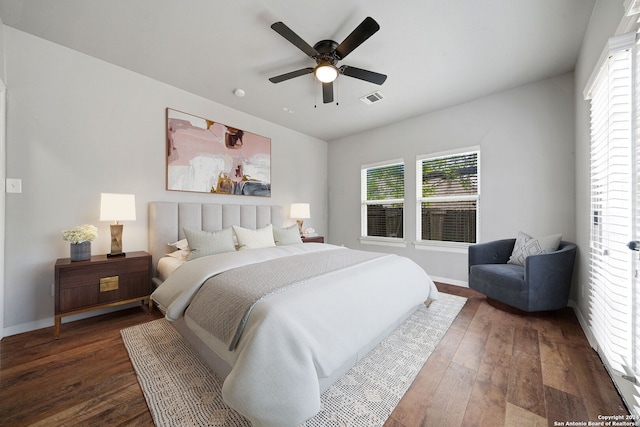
(205, 156)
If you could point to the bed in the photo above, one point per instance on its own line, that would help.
(279, 324)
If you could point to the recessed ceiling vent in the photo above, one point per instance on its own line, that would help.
(372, 98)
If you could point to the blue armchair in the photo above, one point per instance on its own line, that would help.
(542, 284)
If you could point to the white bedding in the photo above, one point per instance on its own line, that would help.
(168, 265)
(296, 338)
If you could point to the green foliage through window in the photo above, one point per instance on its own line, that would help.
(383, 203)
(385, 182)
(448, 198)
(450, 175)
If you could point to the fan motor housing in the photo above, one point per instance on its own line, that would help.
(327, 51)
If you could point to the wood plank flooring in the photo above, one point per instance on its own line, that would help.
(499, 367)
(492, 368)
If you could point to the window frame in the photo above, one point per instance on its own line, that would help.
(364, 203)
(446, 246)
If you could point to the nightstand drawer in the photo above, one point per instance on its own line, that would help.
(85, 290)
(313, 239)
(78, 297)
(90, 274)
(129, 285)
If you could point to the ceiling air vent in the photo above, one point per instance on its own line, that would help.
(372, 98)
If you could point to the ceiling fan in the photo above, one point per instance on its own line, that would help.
(327, 53)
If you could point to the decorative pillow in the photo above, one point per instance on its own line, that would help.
(181, 254)
(203, 243)
(180, 244)
(286, 236)
(527, 245)
(254, 239)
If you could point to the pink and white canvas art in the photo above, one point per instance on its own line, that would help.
(210, 157)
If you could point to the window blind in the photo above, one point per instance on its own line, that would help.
(611, 294)
(635, 300)
(383, 201)
(450, 176)
(385, 182)
(448, 195)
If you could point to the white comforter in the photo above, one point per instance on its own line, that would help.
(294, 338)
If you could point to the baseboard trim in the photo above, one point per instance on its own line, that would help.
(48, 322)
(448, 281)
(584, 324)
(27, 327)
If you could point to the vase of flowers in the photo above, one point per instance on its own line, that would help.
(80, 239)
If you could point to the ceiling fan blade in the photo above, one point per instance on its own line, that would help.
(294, 39)
(359, 73)
(291, 75)
(327, 92)
(366, 29)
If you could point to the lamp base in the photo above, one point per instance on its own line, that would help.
(116, 241)
(116, 255)
(299, 221)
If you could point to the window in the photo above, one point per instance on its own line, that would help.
(382, 196)
(448, 197)
(611, 295)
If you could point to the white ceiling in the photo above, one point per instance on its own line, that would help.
(436, 53)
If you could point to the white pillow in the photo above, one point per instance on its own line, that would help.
(181, 254)
(254, 239)
(180, 244)
(527, 245)
(203, 243)
(286, 236)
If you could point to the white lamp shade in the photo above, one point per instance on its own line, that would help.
(117, 207)
(300, 210)
(326, 73)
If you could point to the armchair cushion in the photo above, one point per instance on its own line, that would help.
(507, 276)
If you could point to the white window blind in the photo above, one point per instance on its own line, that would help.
(634, 368)
(448, 197)
(611, 298)
(382, 198)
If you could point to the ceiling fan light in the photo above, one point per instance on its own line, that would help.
(326, 73)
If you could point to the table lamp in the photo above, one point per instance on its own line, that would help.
(300, 211)
(117, 207)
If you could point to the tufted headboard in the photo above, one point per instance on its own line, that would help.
(167, 219)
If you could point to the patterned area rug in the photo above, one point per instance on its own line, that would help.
(181, 390)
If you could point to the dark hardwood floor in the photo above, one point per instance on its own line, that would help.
(492, 368)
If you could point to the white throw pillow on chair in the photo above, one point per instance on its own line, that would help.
(526, 246)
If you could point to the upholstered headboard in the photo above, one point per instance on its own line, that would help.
(167, 220)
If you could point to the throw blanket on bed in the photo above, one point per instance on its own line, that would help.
(225, 301)
(175, 294)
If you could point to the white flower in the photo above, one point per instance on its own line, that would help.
(80, 234)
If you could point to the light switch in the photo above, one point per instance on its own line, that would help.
(14, 185)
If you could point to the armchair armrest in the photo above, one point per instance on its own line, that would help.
(495, 252)
(549, 275)
(552, 267)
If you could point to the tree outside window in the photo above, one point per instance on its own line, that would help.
(448, 196)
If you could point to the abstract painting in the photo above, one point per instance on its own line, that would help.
(206, 156)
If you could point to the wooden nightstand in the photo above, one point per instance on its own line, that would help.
(100, 282)
(313, 239)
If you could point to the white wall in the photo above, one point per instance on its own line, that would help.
(526, 137)
(605, 18)
(77, 127)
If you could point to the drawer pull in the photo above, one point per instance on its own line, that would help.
(108, 284)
